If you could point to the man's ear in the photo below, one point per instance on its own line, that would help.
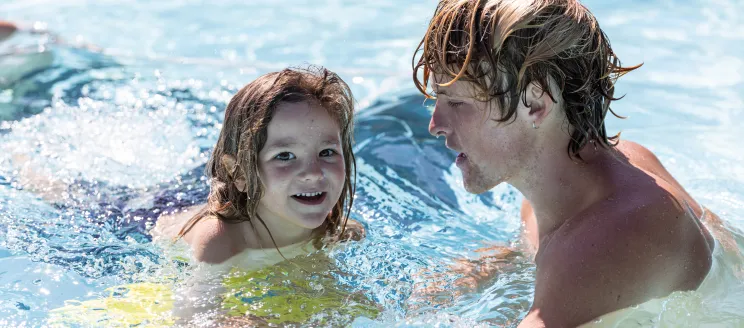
(233, 169)
(539, 104)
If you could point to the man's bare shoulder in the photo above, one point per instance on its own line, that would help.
(636, 150)
(644, 159)
(618, 254)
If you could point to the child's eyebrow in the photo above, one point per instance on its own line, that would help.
(330, 141)
(282, 143)
(291, 142)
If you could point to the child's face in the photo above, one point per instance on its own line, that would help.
(301, 167)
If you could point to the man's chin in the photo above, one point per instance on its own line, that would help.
(474, 188)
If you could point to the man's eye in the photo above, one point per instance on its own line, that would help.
(328, 152)
(285, 156)
(454, 104)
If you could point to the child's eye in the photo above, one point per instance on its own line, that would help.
(454, 104)
(327, 152)
(284, 156)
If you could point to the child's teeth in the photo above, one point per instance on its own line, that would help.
(309, 194)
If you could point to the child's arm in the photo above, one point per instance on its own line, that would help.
(354, 231)
(33, 179)
(169, 225)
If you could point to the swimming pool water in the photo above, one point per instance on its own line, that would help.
(127, 127)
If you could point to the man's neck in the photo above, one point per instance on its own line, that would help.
(559, 188)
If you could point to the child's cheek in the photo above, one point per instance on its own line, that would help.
(337, 170)
(276, 175)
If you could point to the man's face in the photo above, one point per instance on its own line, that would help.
(489, 152)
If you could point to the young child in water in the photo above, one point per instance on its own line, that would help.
(282, 177)
(281, 172)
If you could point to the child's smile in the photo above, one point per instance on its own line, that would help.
(310, 198)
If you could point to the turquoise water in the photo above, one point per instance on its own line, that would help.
(130, 122)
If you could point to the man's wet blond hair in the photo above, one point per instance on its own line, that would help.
(505, 45)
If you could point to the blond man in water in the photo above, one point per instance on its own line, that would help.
(522, 91)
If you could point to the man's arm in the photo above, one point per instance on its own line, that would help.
(437, 289)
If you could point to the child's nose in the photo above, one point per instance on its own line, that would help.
(312, 171)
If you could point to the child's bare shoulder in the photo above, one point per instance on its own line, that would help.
(211, 241)
(169, 225)
(209, 237)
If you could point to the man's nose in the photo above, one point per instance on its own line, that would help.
(439, 125)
